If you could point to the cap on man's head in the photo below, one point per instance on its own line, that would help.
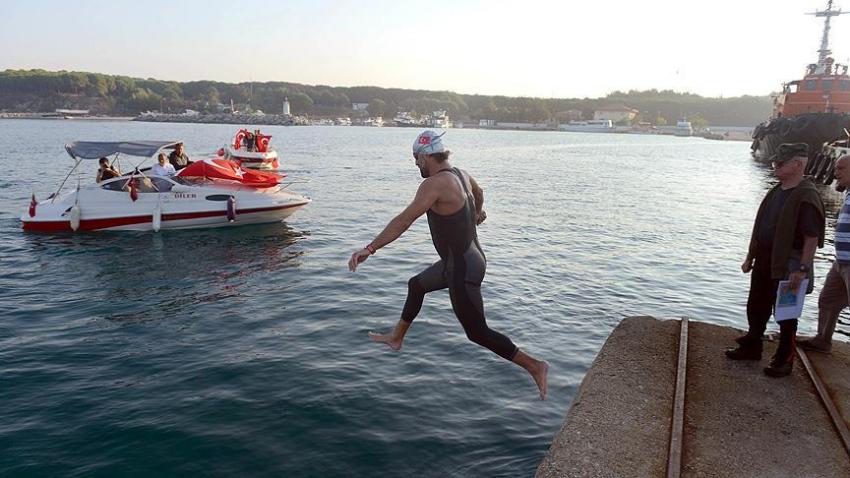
(788, 151)
(429, 142)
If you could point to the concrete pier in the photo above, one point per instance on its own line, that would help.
(738, 422)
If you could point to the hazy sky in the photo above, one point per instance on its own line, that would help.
(519, 48)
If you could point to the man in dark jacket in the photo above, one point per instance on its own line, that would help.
(789, 227)
(178, 157)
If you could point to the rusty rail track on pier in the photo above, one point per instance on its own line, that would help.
(674, 451)
(676, 443)
(825, 398)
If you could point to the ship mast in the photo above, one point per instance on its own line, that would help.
(824, 52)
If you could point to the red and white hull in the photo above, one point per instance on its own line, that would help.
(204, 204)
(252, 159)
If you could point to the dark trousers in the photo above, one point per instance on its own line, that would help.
(760, 305)
(762, 295)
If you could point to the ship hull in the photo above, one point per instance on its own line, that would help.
(814, 129)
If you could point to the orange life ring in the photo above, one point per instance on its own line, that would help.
(237, 143)
(263, 144)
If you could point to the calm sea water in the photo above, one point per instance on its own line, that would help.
(243, 352)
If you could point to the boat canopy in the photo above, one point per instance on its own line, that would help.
(99, 149)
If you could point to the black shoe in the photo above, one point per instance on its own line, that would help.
(779, 368)
(744, 352)
(746, 338)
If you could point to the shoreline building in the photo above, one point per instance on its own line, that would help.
(615, 113)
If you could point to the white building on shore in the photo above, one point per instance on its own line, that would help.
(615, 113)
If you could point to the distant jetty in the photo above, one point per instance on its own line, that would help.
(54, 116)
(224, 118)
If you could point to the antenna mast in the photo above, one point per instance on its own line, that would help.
(824, 52)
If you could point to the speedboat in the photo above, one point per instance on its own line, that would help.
(207, 193)
(251, 150)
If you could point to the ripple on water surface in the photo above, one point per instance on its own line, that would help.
(225, 352)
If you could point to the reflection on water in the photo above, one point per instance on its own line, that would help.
(156, 275)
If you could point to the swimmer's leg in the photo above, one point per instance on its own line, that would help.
(429, 280)
(538, 369)
(469, 309)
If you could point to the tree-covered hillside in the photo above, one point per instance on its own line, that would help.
(42, 91)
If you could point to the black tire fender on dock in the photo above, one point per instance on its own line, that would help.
(822, 169)
(830, 173)
(801, 124)
(758, 133)
(812, 165)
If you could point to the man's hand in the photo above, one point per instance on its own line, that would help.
(480, 217)
(357, 258)
(747, 265)
(795, 278)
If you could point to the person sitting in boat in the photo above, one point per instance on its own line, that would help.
(106, 171)
(249, 141)
(163, 167)
(178, 158)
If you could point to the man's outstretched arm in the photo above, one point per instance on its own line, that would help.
(425, 197)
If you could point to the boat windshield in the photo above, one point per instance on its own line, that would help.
(143, 185)
(191, 180)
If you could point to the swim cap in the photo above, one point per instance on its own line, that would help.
(429, 142)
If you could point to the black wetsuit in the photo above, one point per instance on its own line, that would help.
(461, 268)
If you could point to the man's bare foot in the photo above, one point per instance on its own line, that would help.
(540, 378)
(388, 339)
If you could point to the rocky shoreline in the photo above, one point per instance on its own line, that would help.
(226, 118)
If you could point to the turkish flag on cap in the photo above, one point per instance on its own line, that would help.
(33, 204)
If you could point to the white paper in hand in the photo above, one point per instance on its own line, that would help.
(788, 304)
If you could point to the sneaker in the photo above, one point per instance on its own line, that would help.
(744, 352)
(778, 368)
(815, 344)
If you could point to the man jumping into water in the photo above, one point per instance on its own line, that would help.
(453, 202)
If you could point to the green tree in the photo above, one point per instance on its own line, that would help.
(301, 103)
(377, 107)
(212, 96)
(698, 122)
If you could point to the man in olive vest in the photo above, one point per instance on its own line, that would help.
(789, 227)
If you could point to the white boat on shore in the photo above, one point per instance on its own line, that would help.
(590, 126)
(208, 193)
(683, 128)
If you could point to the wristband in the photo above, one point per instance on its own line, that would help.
(371, 249)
